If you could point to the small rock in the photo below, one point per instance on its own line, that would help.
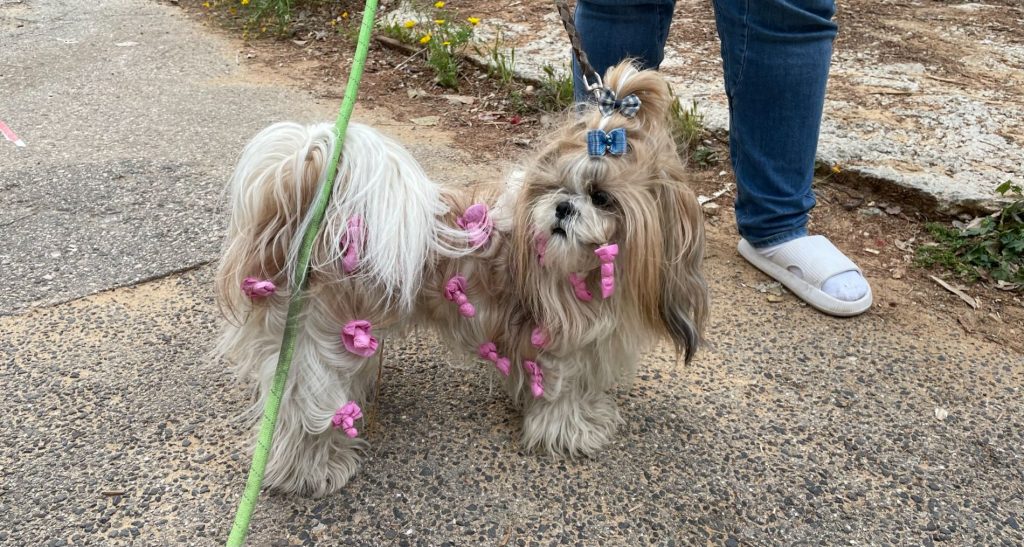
(852, 203)
(426, 120)
(460, 99)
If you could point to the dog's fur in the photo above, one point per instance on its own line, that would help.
(413, 246)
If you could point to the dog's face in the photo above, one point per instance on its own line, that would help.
(584, 202)
(574, 201)
(574, 213)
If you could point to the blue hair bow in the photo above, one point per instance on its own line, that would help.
(608, 104)
(599, 142)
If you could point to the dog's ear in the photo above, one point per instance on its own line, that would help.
(684, 293)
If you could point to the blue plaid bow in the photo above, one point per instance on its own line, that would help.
(608, 104)
(599, 142)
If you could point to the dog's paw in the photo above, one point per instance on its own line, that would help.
(313, 465)
(571, 425)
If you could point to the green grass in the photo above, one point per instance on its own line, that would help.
(555, 93)
(988, 248)
(441, 37)
(688, 132)
(501, 61)
(278, 13)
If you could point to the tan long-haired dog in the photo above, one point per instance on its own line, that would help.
(561, 281)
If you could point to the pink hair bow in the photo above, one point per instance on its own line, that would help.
(536, 378)
(352, 242)
(539, 338)
(345, 418)
(579, 286)
(455, 291)
(489, 351)
(357, 339)
(258, 288)
(477, 222)
(606, 254)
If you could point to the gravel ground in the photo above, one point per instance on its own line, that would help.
(120, 430)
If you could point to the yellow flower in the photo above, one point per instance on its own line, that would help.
(206, 4)
(425, 39)
(334, 23)
(438, 5)
(410, 23)
(473, 20)
(439, 21)
(836, 169)
(344, 15)
(446, 43)
(245, 2)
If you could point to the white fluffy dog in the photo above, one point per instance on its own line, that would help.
(561, 281)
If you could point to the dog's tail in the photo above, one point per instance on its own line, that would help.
(383, 226)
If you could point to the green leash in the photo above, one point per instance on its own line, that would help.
(266, 437)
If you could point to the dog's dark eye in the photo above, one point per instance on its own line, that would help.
(601, 198)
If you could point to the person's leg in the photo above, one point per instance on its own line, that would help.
(613, 30)
(776, 56)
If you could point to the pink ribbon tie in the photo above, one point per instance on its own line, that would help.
(606, 254)
(357, 338)
(579, 286)
(455, 291)
(345, 418)
(352, 243)
(540, 242)
(477, 222)
(539, 338)
(258, 288)
(489, 352)
(536, 378)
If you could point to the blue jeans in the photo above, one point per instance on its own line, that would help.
(775, 55)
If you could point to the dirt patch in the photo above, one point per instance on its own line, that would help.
(315, 55)
(876, 226)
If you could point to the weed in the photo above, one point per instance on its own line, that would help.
(441, 38)
(989, 247)
(687, 131)
(687, 127)
(705, 156)
(443, 49)
(500, 65)
(555, 93)
(400, 31)
(262, 11)
(517, 102)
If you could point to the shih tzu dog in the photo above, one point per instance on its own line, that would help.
(560, 280)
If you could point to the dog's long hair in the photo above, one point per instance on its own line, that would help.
(652, 212)
(547, 225)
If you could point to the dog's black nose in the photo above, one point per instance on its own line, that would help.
(563, 210)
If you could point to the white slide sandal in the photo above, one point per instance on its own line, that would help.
(816, 259)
